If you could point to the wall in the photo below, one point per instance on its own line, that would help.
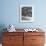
(10, 13)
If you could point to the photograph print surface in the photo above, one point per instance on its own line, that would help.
(26, 13)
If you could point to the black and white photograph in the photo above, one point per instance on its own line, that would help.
(26, 13)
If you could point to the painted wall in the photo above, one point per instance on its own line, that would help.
(9, 13)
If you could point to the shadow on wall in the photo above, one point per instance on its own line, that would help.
(2, 26)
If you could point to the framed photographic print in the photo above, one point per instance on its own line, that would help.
(26, 13)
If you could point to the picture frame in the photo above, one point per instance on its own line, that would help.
(26, 13)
